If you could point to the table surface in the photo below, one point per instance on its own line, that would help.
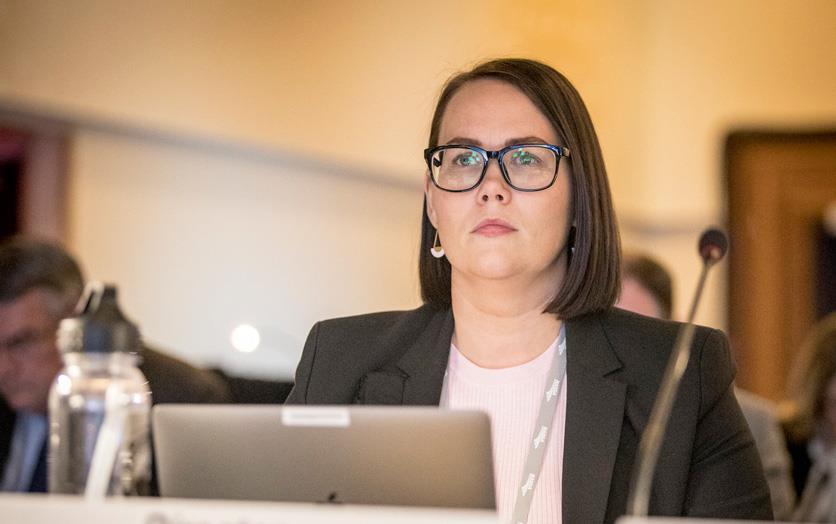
(36, 509)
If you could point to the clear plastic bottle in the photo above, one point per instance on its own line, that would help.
(99, 387)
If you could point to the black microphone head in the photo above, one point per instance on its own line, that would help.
(713, 245)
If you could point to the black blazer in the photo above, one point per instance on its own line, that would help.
(708, 466)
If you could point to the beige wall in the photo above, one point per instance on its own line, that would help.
(716, 66)
(349, 86)
(348, 81)
(200, 241)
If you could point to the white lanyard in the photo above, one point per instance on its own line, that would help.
(540, 439)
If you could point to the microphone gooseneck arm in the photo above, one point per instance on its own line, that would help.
(712, 248)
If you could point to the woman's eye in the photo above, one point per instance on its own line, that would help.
(468, 159)
(522, 157)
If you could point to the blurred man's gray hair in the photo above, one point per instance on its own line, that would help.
(28, 264)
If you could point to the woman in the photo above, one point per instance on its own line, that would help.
(520, 247)
(811, 424)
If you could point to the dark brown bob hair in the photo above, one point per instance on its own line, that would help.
(592, 280)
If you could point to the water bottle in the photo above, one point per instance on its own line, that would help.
(99, 404)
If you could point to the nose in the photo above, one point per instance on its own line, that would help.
(494, 187)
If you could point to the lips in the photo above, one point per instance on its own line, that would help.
(492, 227)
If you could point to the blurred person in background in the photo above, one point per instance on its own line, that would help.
(40, 283)
(647, 289)
(810, 422)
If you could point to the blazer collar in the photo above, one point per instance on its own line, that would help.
(418, 374)
(595, 404)
(425, 362)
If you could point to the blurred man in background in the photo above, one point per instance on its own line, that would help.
(647, 289)
(40, 284)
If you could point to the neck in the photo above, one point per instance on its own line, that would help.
(501, 323)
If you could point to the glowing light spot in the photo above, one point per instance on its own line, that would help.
(63, 385)
(245, 338)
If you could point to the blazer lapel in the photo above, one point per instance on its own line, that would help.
(419, 373)
(594, 417)
(426, 362)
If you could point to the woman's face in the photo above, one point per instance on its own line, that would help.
(493, 231)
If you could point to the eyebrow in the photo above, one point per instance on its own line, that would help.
(511, 141)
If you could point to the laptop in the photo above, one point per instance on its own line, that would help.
(406, 456)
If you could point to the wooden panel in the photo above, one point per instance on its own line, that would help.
(778, 188)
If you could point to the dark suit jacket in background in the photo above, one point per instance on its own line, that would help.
(802, 463)
(708, 465)
(173, 381)
(170, 380)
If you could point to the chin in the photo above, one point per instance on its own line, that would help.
(493, 269)
(495, 264)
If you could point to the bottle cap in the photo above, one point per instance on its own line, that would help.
(98, 325)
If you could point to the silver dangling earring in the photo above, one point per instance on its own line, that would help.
(437, 251)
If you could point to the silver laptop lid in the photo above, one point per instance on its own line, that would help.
(412, 456)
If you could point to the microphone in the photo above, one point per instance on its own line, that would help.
(712, 247)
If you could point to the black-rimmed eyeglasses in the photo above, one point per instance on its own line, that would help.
(525, 167)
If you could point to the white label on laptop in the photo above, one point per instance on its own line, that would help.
(315, 416)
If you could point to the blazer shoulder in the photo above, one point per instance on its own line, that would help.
(644, 345)
(340, 352)
(651, 339)
(370, 328)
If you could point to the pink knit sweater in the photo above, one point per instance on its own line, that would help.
(511, 396)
